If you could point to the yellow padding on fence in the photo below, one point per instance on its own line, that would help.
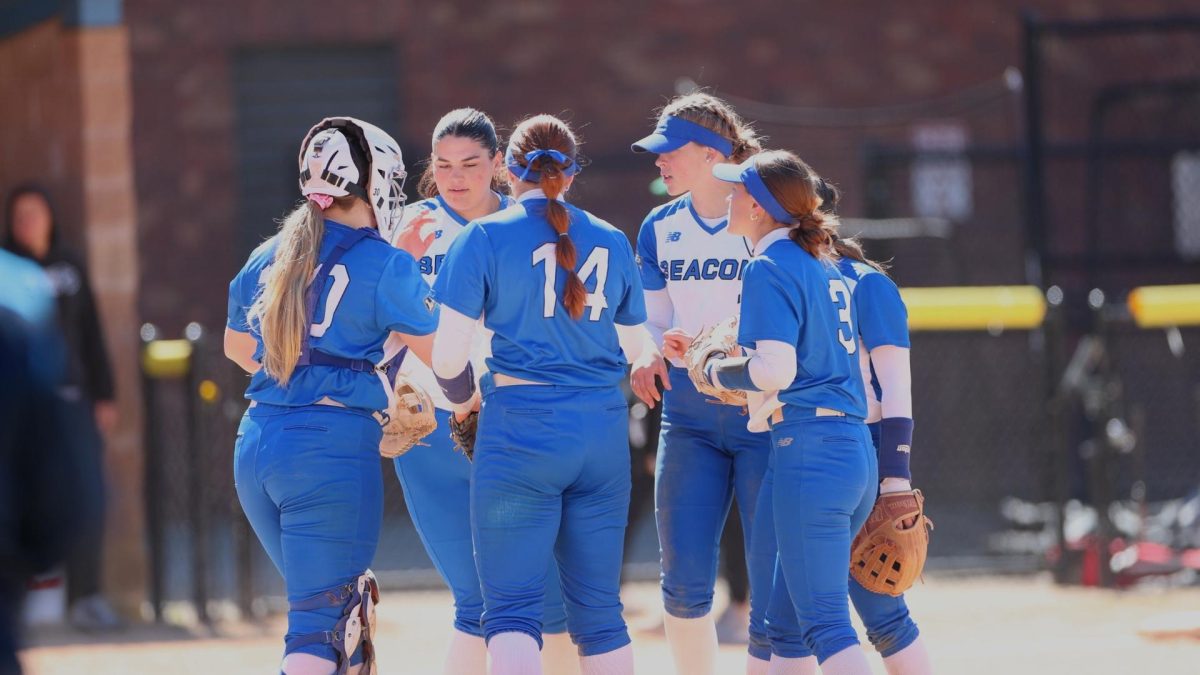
(974, 307)
(1161, 306)
(166, 358)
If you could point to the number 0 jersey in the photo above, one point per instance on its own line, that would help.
(792, 297)
(375, 289)
(503, 267)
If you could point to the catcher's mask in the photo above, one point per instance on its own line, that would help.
(343, 156)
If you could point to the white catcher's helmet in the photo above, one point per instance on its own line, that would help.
(336, 155)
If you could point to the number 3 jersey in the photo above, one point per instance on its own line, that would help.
(446, 226)
(503, 267)
(794, 298)
(373, 290)
(699, 264)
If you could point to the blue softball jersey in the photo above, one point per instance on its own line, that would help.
(373, 290)
(504, 264)
(790, 296)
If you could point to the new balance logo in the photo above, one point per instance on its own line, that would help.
(673, 236)
(784, 442)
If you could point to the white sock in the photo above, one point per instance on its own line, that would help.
(514, 653)
(912, 660)
(467, 655)
(850, 661)
(560, 656)
(298, 663)
(756, 666)
(693, 644)
(782, 666)
(616, 662)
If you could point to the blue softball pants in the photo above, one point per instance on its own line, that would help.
(706, 457)
(551, 476)
(816, 519)
(437, 489)
(309, 481)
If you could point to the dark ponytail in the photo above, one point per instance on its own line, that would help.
(851, 248)
(845, 247)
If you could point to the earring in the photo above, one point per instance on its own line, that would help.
(754, 217)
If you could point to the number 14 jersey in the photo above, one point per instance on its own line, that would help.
(504, 268)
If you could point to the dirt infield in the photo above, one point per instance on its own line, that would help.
(988, 626)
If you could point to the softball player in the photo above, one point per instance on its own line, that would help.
(884, 344)
(308, 316)
(798, 316)
(883, 329)
(560, 289)
(458, 187)
(887, 379)
(692, 267)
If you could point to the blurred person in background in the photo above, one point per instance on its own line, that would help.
(50, 490)
(32, 231)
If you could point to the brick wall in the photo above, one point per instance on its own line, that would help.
(109, 207)
(40, 133)
(608, 64)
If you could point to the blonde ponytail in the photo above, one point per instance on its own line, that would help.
(280, 310)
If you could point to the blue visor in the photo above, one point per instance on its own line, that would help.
(746, 173)
(673, 133)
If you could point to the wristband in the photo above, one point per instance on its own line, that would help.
(461, 387)
(895, 447)
(731, 373)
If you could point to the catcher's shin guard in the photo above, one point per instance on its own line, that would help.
(356, 626)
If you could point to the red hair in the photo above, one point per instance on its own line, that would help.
(546, 132)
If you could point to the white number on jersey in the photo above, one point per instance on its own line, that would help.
(840, 294)
(341, 279)
(596, 263)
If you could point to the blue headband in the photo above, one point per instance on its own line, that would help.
(673, 133)
(527, 173)
(746, 173)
